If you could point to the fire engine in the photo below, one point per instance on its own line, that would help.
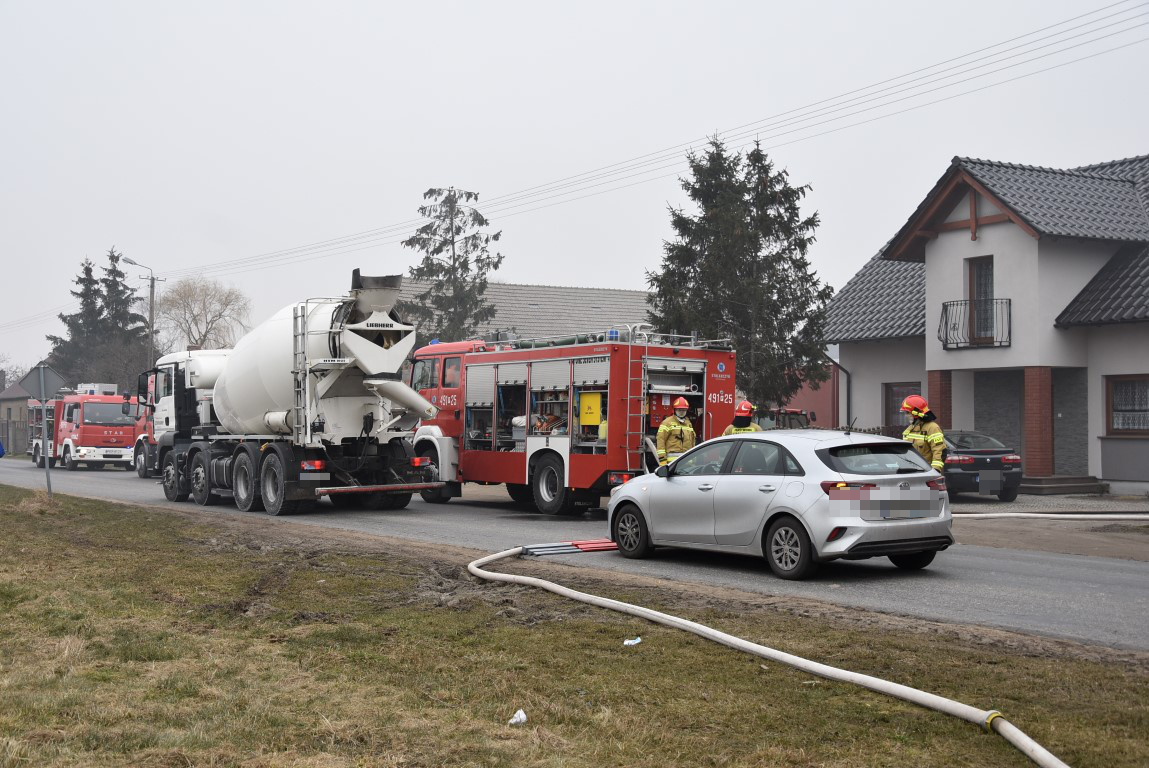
(562, 420)
(88, 427)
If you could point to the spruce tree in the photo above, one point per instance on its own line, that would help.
(456, 261)
(71, 353)
(118, 302)
(738, 269)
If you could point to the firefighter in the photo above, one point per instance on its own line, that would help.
(924, 433)
(675, 434)
(743, 420)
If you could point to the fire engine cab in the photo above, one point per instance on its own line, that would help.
(562, 420)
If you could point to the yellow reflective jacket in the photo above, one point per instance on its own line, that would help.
(929, 440)
(675, 436)
(733, 430)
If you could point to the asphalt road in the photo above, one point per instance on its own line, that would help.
(1089, 599)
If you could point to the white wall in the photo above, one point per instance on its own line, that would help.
(1064, 268)
(872, 364)
(1113, 350)
(962, 404)
(1015, 277)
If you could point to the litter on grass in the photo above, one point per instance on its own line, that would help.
(635, 641)
(518, 718)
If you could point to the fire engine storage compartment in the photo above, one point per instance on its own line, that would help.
(669, 379)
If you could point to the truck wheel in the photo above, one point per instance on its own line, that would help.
(140, 460)
(273, 486)
(70, 464)
(520, 494)
(347, 500)
(173, 489)
(245, 484)
(384, 501)
(433, 495)
(200, 478)
(552, 497)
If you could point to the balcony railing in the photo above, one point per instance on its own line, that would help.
(975, 323)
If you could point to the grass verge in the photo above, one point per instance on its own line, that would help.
(141, 637)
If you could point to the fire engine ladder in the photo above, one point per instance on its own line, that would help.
(300, 421)
(636, 399)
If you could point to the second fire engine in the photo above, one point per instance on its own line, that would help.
(562, 420)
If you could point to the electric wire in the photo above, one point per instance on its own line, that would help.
(627, 170)
(493, 205)
(339, 251)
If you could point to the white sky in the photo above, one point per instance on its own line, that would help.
(192, 136)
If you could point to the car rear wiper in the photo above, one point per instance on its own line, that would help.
(908, 470)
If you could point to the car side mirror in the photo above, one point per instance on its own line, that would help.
(662, 471)
(813, 416)
(126, 408)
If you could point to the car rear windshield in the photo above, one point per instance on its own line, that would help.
(972, 441)
(874, 459)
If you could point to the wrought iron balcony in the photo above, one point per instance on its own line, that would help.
(975, 323)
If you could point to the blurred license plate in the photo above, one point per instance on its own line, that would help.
(884, 504)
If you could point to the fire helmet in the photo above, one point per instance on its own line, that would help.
(915, 405)
(745, 408)
(680, 403)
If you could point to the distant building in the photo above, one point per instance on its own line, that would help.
(14, 418)
(532, 311)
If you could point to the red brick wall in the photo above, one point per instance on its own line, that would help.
(1037, 421)
(939, 391)
(822, 401)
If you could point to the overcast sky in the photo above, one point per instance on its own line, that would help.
(196, 137)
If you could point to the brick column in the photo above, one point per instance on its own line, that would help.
(939, 387)
(1037, 421)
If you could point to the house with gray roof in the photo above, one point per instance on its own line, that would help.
(1015, 298)
(532, 311)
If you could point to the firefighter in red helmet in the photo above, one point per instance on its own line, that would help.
(923, 432)
(675, 433)
(743, 420)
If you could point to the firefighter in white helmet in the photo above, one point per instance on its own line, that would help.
(675, 434)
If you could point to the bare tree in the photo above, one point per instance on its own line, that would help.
(10, 372)
(203, 313)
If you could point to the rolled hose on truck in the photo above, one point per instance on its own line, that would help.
(989, 719)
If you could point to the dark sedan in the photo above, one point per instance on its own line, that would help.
(977, 463)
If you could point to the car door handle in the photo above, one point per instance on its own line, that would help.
(706, 487)
(766, 488)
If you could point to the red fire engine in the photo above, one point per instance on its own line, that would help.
(88, 427)
(562, 420)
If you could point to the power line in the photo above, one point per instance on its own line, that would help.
(377, 240)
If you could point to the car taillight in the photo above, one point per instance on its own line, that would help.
(959, 459)
(1012, 458)
(836, 485)
(312, 465)
(618, 478)
(938, 484)
(420, 461)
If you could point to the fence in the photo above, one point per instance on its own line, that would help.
(14, 434)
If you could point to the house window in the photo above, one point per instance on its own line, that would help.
(892, 397)
(1127, 405)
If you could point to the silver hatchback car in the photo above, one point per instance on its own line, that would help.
(797, 497)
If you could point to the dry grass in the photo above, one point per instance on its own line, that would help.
(134, 637)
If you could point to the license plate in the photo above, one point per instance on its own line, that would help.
(886, 505)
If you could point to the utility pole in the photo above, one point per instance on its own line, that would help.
(151, 278)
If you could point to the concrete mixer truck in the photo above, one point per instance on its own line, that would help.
(308, 404)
